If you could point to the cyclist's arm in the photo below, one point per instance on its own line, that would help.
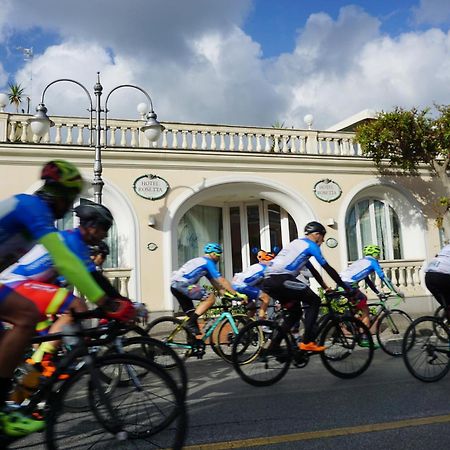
(71, 267)
(372, 286)
(334, 276)
(222, 285)
(317, 276)
(105, 284)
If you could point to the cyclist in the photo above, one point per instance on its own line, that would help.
(184, 284)
(361, 270)
(437, 278)
(34, 276)
(99, 252)
(248, 283)
(24, 220)
(281, 282)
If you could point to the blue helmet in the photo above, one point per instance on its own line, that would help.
(213, 247)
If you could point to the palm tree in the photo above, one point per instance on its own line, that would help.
(15, 95)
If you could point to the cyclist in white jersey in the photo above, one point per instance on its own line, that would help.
(248, 282)
(184, 284)
(281, 282)
(437, 278)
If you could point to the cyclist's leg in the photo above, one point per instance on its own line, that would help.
(438, 284)
(311, 313)
(265, 301)
(361, 303)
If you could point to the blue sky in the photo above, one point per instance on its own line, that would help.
(249, 62)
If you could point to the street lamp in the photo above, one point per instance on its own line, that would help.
(41, 123)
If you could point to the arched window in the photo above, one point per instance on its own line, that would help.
(373, 221)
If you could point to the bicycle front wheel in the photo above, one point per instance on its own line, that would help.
(349, 347)
(391, 328)
(171, 332)
(262, 353)
(130, 398)
(426, 349)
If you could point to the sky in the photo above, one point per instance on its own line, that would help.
(236, 62)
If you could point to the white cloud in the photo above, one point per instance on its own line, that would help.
(433, 12)
(199, 66)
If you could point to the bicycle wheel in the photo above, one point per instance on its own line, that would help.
(147, 409)
(224, 336)
(391, 328)
(346, 354)
(161, 354)
(170, 331)
(441, 315)
(425, 353)
(269, 361)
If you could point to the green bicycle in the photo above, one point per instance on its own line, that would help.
(219, 332)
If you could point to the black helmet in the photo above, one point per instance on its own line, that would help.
(101, 248)
(94, 214)
(315, 227)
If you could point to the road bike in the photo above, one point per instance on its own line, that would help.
(426, 348)
(349, 347)
(130, 398)
(219, 331)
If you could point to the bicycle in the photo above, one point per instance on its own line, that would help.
(130, 398)
(220, 331)
(389, 324)
(426, 348)
(343, 335)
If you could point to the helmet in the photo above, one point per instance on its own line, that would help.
(60, 176)
(213, 247)
(101, 248)
(315, 227)
(262, 255)
(94, 214)
(371, 250)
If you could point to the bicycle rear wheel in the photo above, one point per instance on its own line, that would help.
(346, 354)
(391, 328)
(170, 331)
(147, 409)
(224, 336)
(442, 316)
(426, 349)
(266, 363)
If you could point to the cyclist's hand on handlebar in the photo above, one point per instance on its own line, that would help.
(242, 297)
(228, 295)
(120, 309)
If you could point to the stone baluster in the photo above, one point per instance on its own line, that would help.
(134, 141)
(284, 146)
(23, 137)
(174, 139)
(194, 140)
(320, 145)
(123, 286)
(409, 277)
(293, 144)
(241, 142)
(276, 147)
(213, 140)
(267, 143)
(103, 137)
(232, 146)
(222, 141)
(58, 133)
(12, 131)
(416, 276)
(123, 136)
(204, 144)
(46, 138)
(258, 143)
(302, 149)
(80, 128)
(184, 143)
(69, 137)
(164, 139)
(359, 151)
(329, 150)
(250, 142)
(112, 136)
(402, 276)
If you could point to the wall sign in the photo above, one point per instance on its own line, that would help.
(152, 246)
(151, 187)
(331, 242)
(327, 190)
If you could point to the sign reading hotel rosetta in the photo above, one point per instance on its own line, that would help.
(151, 187)
(327, 190)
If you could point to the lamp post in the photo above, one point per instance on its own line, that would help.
(40, 124)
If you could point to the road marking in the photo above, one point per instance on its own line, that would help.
(309, 435)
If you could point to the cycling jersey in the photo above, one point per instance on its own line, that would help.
(27, 219)
(194, 269)
(251, 276)
(293, 257)
(361, 269)
(38, 265)
(441, 263)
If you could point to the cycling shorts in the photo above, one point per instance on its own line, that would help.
(48, 298)
(251, 292)
(359, 299)
(191, 291)
(4, 292)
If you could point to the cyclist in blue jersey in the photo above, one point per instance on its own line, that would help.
(25, 220)
(361, 270)
(281, 282)
(437, 278)
(248, 283)
(35, 277)
(184, 284)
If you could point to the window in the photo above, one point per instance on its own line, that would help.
(372, 221)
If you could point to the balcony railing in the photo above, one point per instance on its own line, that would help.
(74, 131)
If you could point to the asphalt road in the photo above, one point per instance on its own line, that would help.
(385, 408)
